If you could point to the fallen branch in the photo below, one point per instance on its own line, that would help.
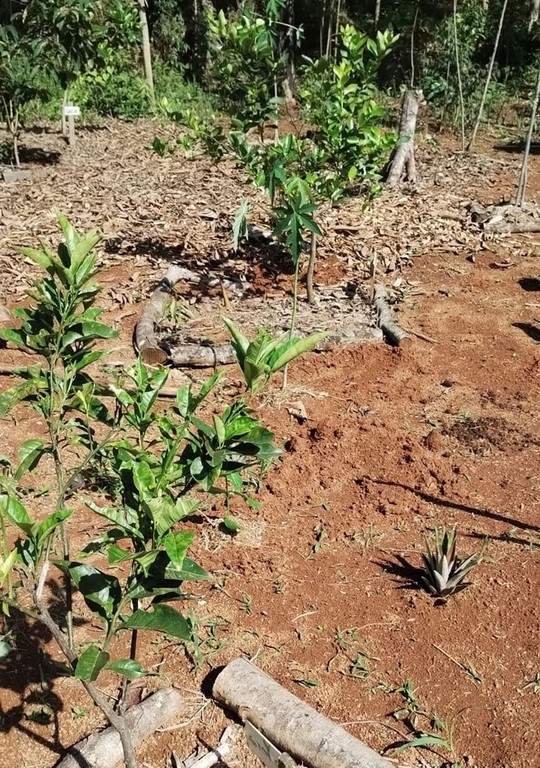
(104, 750)
(201, 355)
(290, 724)
(385, 318)
(503, 227)
(146, 341)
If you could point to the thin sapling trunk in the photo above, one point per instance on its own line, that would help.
(311, 268)
(523, 175)
(488, 78)
(147, 52)
(458, 72)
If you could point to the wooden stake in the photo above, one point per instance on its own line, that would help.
(71, 127)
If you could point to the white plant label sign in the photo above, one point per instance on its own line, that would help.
(264, 749)
(70, 110)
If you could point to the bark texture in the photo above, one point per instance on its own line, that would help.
(104, 750)
(385, 318)
(402, 163)
(146, 341)
(293, 726)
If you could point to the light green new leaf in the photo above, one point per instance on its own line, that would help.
(30, 453)
(240, 342)
(176, 545)
(240, 224)
(294, 348)
(16, 511)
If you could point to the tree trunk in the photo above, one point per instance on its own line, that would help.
(338, 14)
(402, 161)
(377, 13)
(290, 47)
(488, 78)
(535, 11)
(291, 725)
(147, 53)
(413, 30)
(64, 104)
(523, 175)
(458, 72)
(385, 319)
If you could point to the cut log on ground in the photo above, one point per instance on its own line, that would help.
(402, 163)
(104, 750)
(385, 318)
(201, 355)
(290, 724)
(146, 341)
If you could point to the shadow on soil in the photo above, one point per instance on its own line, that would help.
(530, 283)
(29, 671)
(517, 146)
(267, 257)
(36, 156)
(529, 329)
(510, 521)
(405, 571)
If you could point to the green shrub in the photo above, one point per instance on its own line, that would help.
(112, 92)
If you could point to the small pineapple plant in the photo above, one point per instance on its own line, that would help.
(444, 573)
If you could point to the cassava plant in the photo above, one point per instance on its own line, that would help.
(152, 464)
(444, 573)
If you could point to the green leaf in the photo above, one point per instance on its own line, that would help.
(5, 650)
(11, 397)
(162, 618)
(294, 348)
(90, 663)
(176, 545)
(219, 429)
(129, 668)
(233, 526)
(101, 591)
(167, 513)
(425, 740)
(240, 342)
(50, 523)
(30, 453)
(240, 224)
(143, 476)
(39, 257)
(16, 511)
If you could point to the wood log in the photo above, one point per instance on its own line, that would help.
(291, 725)
(385, 318)
(146, 341)
(104, 750)
(201, 355)
(402, 163)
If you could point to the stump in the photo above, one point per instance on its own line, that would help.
(402, 163)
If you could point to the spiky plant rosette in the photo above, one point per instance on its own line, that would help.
(444, 573)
